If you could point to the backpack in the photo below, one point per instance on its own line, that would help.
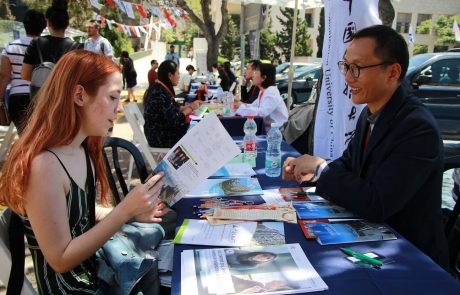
(41, 72)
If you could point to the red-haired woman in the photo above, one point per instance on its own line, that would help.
(44, 178)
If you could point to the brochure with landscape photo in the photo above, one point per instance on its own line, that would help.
(227, 187)
(197, 155)
(201, 232)
(345, 231)
(281, 269)
(296, 194)
(314, 210)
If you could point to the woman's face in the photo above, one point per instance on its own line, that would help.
(257, 78)
(100, 112)
(174, 77)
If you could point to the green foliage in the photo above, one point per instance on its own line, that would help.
(221, 59)
(5, 12)
(119, 40)
(231, 44)
(443, 29)
(268, 42)
(284, 36)
(192, 32)
(420, 48)
(424, 27)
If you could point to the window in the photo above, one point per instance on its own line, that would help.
(423, 17)
(403, 22)
(444, 72)
(309, 19)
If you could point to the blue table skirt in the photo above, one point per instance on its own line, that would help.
(412, 272)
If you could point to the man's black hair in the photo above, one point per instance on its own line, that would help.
(34, 22)
(391, 46)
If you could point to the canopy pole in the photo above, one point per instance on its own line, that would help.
(291, 62)
(242, 39)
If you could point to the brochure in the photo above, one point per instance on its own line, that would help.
(281, 269)
(297, 194)
(200, 153)
(345, 231)
(200, 232)
(234, 170)
(275, 212)
(227, 187)
(240, 158)
(313, 210)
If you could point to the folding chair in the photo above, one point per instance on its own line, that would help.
(116, 145)
(136, 121)
(7, 140)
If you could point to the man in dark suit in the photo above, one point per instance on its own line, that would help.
(392, 169)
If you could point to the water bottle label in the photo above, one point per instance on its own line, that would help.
(251, 146)
(272, 163)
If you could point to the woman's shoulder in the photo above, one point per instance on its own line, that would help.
(46, 165)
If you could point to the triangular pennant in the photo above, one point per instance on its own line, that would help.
(96, 4)
(110, 23)
(171, 21)
(184, 13)
(110, 3)
(141, 10)
(138, 32)
(129, 9)
(121, 27)
(121, 6)
(127, 30)
(133, 31)
(142, 29)
(102, 21)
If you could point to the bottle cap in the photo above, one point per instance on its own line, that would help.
(250, 117)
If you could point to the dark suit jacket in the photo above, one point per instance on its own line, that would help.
(398, 178)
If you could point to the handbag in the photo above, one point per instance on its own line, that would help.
(4, 117)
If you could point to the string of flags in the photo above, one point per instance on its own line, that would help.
(169, 17)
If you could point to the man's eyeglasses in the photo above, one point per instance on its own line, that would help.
(354, 69)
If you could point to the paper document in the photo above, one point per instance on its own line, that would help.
(285, 213)
(200, 232)
(227, 187)
(200, 153)
(281, 269)
(234, 170)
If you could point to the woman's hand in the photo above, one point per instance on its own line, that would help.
(142, 202)
(154, 215)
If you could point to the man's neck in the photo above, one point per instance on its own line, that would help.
(95, 37)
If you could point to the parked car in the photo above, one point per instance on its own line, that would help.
(303, 80)
(283, 68)
(435, 79)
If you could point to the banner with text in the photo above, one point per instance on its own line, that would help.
(337, 115)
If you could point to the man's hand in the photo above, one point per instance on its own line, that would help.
(302, 168)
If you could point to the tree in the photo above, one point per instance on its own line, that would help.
(320, 38)
(424, 27)
(5, 11)
(206, 25)
(444, 32)
(231, 44)
(284, 37)
(268, 42)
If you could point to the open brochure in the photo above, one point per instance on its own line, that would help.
(281, 269)
(345, 231)
(234, 170)
(227, 187)
(200, 232)
(200, 153)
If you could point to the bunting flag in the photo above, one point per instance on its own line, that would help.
(121, 27)
(141, 10)
(411, 35)
(171, 21)
(110, 3)
(96, 4)
(121, 6)
(184, 13)
(133, 31)
(142, 29)
(456, 31)
(102, 21)
(129, 9)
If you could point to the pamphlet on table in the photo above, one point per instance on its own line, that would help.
(281, 269)
(200, 232)
(288, 195)
(227, 187)
(200, 153)
(345, 231)
(234, 170)
(314, 210)
(275, 212)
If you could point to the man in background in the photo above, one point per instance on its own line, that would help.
(152, 76)
(248, 96)
(95, 42)
(171, 55)
(185, 81)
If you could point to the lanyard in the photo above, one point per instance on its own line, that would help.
(166, 87)
(261, 94)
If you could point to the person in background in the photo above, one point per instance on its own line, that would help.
(12, 58)
(392, 169)
(190, 54)
(65, 139)
(171, 55)
(248, 96)
(276, 62)
(95, 42)
(165, 120)
(130, 73)
(152, 76)
(227, 77)
(215, 72)
(185, 81)
(269, 103)
(52, 46)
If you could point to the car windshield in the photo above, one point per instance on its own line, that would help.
(417, 60)
(282, 67)
(300, 72)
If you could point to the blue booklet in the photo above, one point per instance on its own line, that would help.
(227, 187)
(345, 231)
(315, 210)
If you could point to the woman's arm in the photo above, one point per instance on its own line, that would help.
(46, 209)
(5, 76)
(26, 72)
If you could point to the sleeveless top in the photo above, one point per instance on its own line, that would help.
(81, 279)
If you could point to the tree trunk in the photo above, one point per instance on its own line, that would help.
(213, 53)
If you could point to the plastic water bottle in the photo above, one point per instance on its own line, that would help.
(250, 141)
(273, 153)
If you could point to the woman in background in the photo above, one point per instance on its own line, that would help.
(269, 104)
(62, 143)
(130, 74)
(165, 120)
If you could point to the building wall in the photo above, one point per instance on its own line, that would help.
(435, 8)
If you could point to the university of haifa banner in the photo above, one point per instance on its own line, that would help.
(336, 115)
